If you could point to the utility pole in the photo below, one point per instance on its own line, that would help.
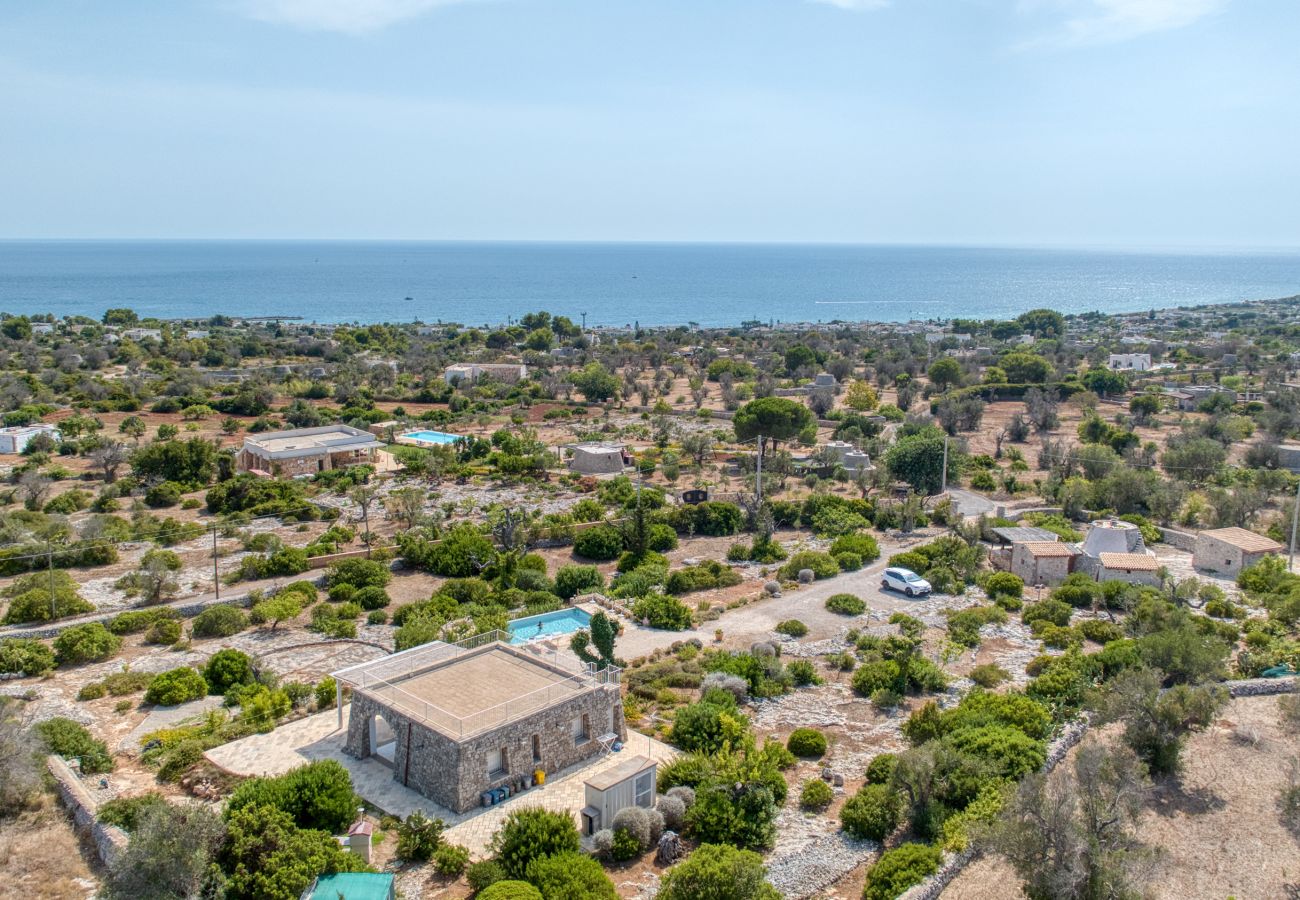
(584, 323)
(943, 489)
(1295, 517)
(216, 574)
(49, 560)
(758, 473)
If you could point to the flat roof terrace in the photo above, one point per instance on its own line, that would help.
(461, 691)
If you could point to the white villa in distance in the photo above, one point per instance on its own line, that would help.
(306, 451)
(1129, 362)
(469, 373)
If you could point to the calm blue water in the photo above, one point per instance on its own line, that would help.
(615, 284)
(562, 621)
(433, 437)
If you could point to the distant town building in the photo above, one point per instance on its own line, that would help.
(469, 373)
(1129, 362)
(306, 451)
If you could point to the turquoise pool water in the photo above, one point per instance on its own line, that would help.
(432, 437)
(562, 621)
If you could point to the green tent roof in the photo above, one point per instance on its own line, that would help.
(353, 886)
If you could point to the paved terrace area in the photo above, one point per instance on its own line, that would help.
(318, 737)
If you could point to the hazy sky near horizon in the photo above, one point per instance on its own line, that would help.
(1143, 123)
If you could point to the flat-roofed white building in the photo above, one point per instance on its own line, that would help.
(469, 373)
(306, 451)
(1129, 362)
(15, 438)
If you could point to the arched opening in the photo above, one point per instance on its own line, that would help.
(383, 741)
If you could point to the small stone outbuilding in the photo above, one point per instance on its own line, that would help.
(1226, 551)
(1043, 562)
(1132, 568)
(599, 459)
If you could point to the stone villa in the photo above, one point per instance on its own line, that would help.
(457, 722)
(306, 451)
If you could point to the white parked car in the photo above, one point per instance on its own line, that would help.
(906, 581)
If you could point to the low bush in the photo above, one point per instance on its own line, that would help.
(222, 620)
(660, 611)
(872, 812)
(176, 686)
(899, 869)
(571, 874)
(419, 837)
(69, 739)
(803, 672)
(504, 890)
(791, 628)
(823, 565)
(864, 545)
(881, 768)
(816, 794)
(450, 860)
(532, 833)
(808, 743)
(87, 643)
(24, 656)
(164, 632)
(601, 543)
(989, 675)
(846, 604)
(228, 668)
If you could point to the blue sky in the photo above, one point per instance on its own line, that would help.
(1143, 123)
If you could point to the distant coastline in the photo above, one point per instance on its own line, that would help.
(615, 285)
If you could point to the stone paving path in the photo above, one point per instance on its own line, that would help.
(319, 737)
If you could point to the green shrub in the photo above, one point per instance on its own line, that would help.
(1100, 630)
(316, 795)
(127, 812)
(180, 759)
(718, 872)
(371, 598)
(25, 656)
(1009, 752)
(808, 743)
(1004, 585)
(603, 542)
(816, 794)
(136, 620)
(873, 676)
(126, 682)
(176, 686)
(881, 768)
(359, 573)
(659, 611)
(503, 890)
(803, 672)
(1054, 611)
(572, 580)
(66, 738)
(871, 813)
(899, 869)
(163, 494)
(418, 837)
(164, 632)
(533, 833)
(706, 576)
(791, 628)
(846, 604)
(29, 598)
(87, 643)
(864, 545)
(989, 675)
(450, 860)
(661, 538)
(571, 874)
(326, 692)
(228, 668)
(848, 562)
(222, 620)
(485, 873)
(625, 846)
(93, 691)
(823, 565)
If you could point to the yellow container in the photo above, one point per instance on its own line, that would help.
(539, 777)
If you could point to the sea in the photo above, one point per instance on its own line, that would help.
(617, 284)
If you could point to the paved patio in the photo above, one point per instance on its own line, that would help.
(319, 737)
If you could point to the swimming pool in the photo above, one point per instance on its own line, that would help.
(432, 437)
(562, 621)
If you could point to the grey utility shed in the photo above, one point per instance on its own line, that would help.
(630, 783)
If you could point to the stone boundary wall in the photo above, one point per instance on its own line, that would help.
(110, 841)
(1070, 736)
(328, 559)
(1182, 540)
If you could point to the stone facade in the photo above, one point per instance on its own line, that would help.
(453, 772)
